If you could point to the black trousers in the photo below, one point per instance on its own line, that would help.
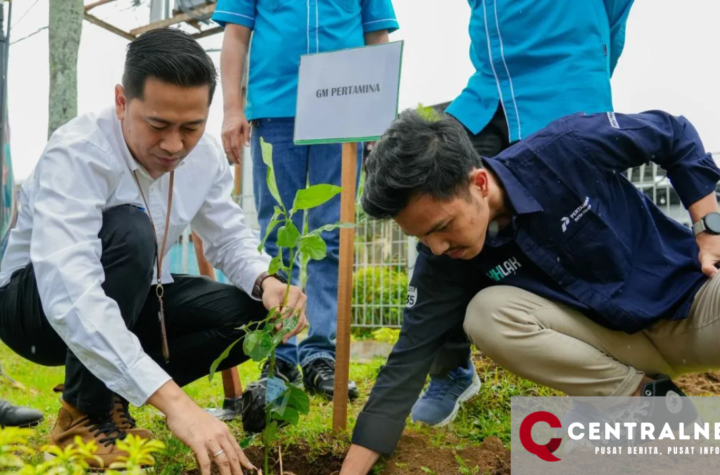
(202, 316)
(490, 141)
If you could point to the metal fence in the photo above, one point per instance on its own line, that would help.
(384, 257)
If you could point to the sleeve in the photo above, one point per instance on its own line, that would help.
(65, 250)
(239, 12)
(618, 12)
(378, 15)
(437, 299)
(616, 142)
(230, 244)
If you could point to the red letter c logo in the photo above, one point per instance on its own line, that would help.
(542, 451)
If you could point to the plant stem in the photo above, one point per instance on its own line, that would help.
(271, 373)
(287, 287)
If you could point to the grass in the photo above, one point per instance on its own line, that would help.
(488, 414)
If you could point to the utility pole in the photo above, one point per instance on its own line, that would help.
(66, 18)
(4, 54)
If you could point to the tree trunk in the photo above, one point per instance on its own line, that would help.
(66, 17)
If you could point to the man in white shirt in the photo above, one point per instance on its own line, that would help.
(111, 193)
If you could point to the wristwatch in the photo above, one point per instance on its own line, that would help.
(709, 224)
(257, 291)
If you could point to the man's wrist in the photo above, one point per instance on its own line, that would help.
(259, 287)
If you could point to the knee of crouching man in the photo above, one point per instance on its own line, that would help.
(480, 325)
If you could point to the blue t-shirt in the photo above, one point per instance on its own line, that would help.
(541, 59)
(283, 30)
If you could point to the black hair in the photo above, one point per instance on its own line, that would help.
(417, 156)
(169, 55)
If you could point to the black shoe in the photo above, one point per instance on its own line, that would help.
(16, 416)
(287, 372)
(319, 378)
(253, 399)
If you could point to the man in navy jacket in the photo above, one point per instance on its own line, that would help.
(559, 268)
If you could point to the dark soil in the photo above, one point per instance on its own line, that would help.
(414, 455)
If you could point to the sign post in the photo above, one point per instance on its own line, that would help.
(347, 97)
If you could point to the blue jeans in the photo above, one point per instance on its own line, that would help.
(295, 167)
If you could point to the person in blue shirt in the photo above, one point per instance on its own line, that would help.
(535, 61)
(282, 31)
(556, 265)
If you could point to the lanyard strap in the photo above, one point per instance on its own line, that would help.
(160, 254)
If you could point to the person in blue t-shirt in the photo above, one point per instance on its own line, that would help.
(282, 31)
(557, 267)
(535, 61)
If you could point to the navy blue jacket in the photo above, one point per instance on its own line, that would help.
(581, 234)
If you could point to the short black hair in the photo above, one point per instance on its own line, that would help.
(171, 56)
(417, 156)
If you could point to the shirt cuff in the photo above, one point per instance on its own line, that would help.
(389, 24)
(695, 182)
(141, 381)
(377, 433)
(222, 18)
(249, 283)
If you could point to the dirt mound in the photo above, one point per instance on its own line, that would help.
(415, 455)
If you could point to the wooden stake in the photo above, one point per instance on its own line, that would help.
(347, 238)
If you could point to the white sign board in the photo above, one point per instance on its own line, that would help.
(349, 95)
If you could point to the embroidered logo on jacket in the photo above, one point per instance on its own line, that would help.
(509, 267)
(575, 216)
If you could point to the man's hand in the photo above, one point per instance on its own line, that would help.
(359, 461)
(235, 133)
(209, 438)
(709, 244)
(274, 296)
(709, 256)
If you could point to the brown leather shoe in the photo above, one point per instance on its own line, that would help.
(121, 416)
(103, 430)
(126, 422)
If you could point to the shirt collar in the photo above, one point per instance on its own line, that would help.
(124, 149)
(520, 198)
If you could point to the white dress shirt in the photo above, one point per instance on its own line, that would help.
(85, 169)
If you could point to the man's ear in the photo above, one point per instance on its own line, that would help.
(120, 102)
(479, 181)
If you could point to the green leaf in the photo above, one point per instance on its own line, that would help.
(314, 196)
(268, 434)
(267, 153)
(330, 227)
(257, 345)
(288, 235)
(273, 222)
(288, 415)
(216, 363)
(247, 441)
(314, 247)
(289, 324)
(275, 264)
(299, 400)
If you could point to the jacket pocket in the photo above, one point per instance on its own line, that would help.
(595, 254)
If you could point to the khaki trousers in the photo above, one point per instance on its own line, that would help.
(554, 345)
